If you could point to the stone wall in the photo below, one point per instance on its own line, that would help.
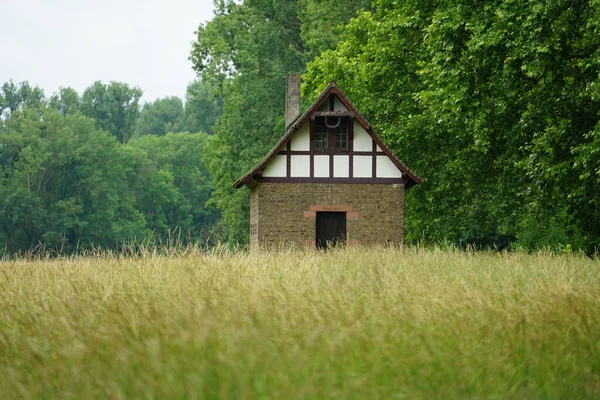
(285, 213)
(254, 203)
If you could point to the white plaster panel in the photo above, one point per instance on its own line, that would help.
(321, 166)
(362, 140)
(341, 166)
(300, 167)
(301, 139)
(276, 168)
(338, 105)
(386, 168)
(363, 166)
(379, 149)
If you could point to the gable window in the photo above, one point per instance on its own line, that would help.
(341, 137)
(332, 134)
(321, 135)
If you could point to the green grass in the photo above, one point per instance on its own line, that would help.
(386, 324)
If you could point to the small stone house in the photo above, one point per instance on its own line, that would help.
(329, 180)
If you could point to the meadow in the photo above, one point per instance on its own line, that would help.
(365, 324)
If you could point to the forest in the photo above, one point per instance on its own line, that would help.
(495, 104)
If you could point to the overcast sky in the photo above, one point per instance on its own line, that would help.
(145, 43)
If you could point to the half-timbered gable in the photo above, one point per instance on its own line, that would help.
(332, 151)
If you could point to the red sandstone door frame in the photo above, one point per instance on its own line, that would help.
(347, 209)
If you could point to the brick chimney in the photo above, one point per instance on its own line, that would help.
(292, 99)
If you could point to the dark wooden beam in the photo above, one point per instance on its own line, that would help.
(334, 180)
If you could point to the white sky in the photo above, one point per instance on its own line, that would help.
(145, 43)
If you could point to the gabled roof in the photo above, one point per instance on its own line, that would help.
(332, 88)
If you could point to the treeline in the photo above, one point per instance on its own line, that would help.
(495, 104)
(98, 171)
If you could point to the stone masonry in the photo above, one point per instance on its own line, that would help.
(283, 214)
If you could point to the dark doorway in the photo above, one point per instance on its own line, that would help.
(331, 229)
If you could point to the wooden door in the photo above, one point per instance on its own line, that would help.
(331, 229)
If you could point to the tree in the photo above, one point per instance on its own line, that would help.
(202, 108)
(493, 103)
(14, 97)
(172, 186)
(66, 101)
(63, 184)
(245, 52)
(161, 116)
(115, 107)
(323, 22)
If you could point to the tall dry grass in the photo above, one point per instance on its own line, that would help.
(355, 323)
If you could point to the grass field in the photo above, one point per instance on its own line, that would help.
(378, 324)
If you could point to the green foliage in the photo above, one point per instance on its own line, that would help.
(202, 107)
(114, 107)
(67, 186)
(323, 22)
(494, 103)
(66, 101)
(15, 97)
(557, 230)
(171, 186)
(246, 51)
(161, 116)
(255, 37)
(62, 184)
